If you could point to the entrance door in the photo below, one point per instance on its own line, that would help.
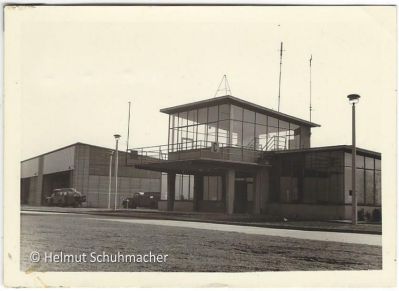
(240, 197)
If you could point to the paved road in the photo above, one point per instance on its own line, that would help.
(357, 238)
(190, 246)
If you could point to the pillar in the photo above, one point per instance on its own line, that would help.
(171, 179)
(261, 190)
(198, 191)
(230, 190)
(305, 137)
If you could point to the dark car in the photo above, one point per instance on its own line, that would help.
(142, 199)
(65, 197)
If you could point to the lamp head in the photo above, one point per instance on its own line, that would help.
(353, 98)
(117, 136)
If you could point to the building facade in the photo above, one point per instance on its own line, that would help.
(228, 155)
(85, 168)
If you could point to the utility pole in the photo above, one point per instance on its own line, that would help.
(117, 136)
(353, 99)
(110, 178)
(128, 131)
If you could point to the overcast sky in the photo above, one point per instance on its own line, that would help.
(81, 66)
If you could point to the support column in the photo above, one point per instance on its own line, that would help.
(261, 190)
(198, 191)
(230, 190)
(171, 191)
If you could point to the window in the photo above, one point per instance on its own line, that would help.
(236, 134)
(378, 187)
(236, 112)
(248, 134)
(192, 117)
(369, 187)
(212, 127)
(224, 111)
(377, 164)
(369, 163)
(260, 136)
(261, 119)
(249, 116)
(359, 185)
(184, 187)
(224, 132)
(213, 114)
(212, 188)
(202, 115)
(183, 118)
(272, 122)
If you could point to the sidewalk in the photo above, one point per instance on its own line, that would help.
(218, 218)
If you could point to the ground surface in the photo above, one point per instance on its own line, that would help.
(242, 219)
(188, 249)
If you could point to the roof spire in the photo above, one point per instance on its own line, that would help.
(226, 89)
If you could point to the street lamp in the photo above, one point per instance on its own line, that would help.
(111, 153)
(353, 99)
(117, 136)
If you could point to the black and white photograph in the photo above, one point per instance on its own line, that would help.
(215, 145)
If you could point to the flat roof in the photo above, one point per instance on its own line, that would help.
(345, 148)
(68, 146)
(239, 102)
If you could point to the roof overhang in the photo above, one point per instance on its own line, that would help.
(345, 148)
(227, 99)
(200, 166)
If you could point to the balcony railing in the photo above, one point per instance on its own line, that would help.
(190, 149)
(194, 150)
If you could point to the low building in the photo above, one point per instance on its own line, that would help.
(86, 168)
(228, 155)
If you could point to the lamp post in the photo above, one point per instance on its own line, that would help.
(117, 136)
(353, 99)
(111, 153)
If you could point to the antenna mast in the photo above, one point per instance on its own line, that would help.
(128, 132)
(310, 89)
(279, 80)
(226, 87)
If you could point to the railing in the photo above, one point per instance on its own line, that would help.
(191, 149)
(276, 143)
(194, 149)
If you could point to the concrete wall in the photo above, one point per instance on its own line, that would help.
(212, 206)
(183, 206)
(89, 167)
(80, 175)
(305, 137)
(30, 168)
(163, 205)
(97, 195)
(59, 161)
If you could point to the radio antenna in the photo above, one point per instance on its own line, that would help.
(226, 88)
(310, 88)
(279, 80)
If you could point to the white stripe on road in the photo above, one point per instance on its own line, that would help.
(354, 238)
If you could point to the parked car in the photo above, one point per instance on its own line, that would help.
(65, 197)
(142, 199)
